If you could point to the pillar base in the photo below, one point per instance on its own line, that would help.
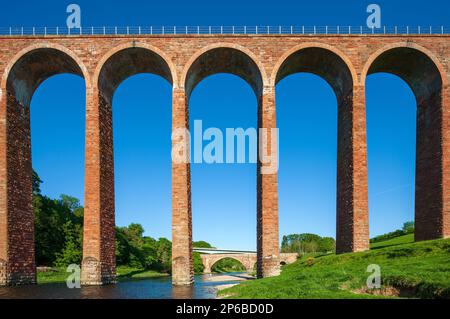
(10, 278)
(93, 275)
(270, 267)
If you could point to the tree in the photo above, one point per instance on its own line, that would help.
(198, 263)
(306, 243)
(408, 227)
(36, 183)
(201, 244)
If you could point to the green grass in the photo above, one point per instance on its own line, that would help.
(123, 274)
(405, 239)
(60, 275)
(421, 268)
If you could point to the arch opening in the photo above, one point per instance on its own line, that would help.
(220, 187)
(142, 163)
(424, 78)
(135, 90)
(333, 68)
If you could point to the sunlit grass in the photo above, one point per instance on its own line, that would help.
(423, 268)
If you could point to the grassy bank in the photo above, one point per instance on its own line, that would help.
(123, 274)
(407, 269)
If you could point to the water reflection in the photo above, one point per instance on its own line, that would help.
(155, 288)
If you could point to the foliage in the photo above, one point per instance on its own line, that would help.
(422, 268)
(227, 265)
(58, 228)
(59, 237)
(307, 243)
(198, 263)
(201, 244)
(408, 228)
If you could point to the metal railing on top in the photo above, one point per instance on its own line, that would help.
(226, 30)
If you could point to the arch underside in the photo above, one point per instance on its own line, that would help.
(129, 62)
(34, 68)
(424, 79)
(323, 63)
(224, 60)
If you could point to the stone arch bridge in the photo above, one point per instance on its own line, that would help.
(248, 260)
(344, 61)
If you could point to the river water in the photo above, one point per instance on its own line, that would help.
(154, 288)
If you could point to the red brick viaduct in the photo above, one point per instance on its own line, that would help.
(344, 61)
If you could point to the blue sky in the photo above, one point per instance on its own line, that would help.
(224, 196)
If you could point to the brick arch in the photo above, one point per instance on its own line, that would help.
(405, 44)
(73, 65)
(338, 71)
(152, 60)
(306, 54)
(233, 51)
(24, 73)
(426, 77)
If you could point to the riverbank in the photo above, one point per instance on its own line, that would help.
(59, 275)
(419, 270)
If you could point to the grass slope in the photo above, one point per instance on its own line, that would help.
(405, 239)
(422, 269)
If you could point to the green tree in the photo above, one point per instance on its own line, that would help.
(198, 263)
(201, 244)
(408, 227)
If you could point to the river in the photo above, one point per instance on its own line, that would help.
(154, 288)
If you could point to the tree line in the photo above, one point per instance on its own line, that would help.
(59, 237)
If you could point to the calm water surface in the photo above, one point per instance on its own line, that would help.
(155, 288)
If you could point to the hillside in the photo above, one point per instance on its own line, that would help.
(420, 270)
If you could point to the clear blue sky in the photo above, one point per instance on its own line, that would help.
(224, 196)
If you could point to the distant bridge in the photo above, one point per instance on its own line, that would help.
(221, 251)
(248, 259)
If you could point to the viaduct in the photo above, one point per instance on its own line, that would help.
(344, 61)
